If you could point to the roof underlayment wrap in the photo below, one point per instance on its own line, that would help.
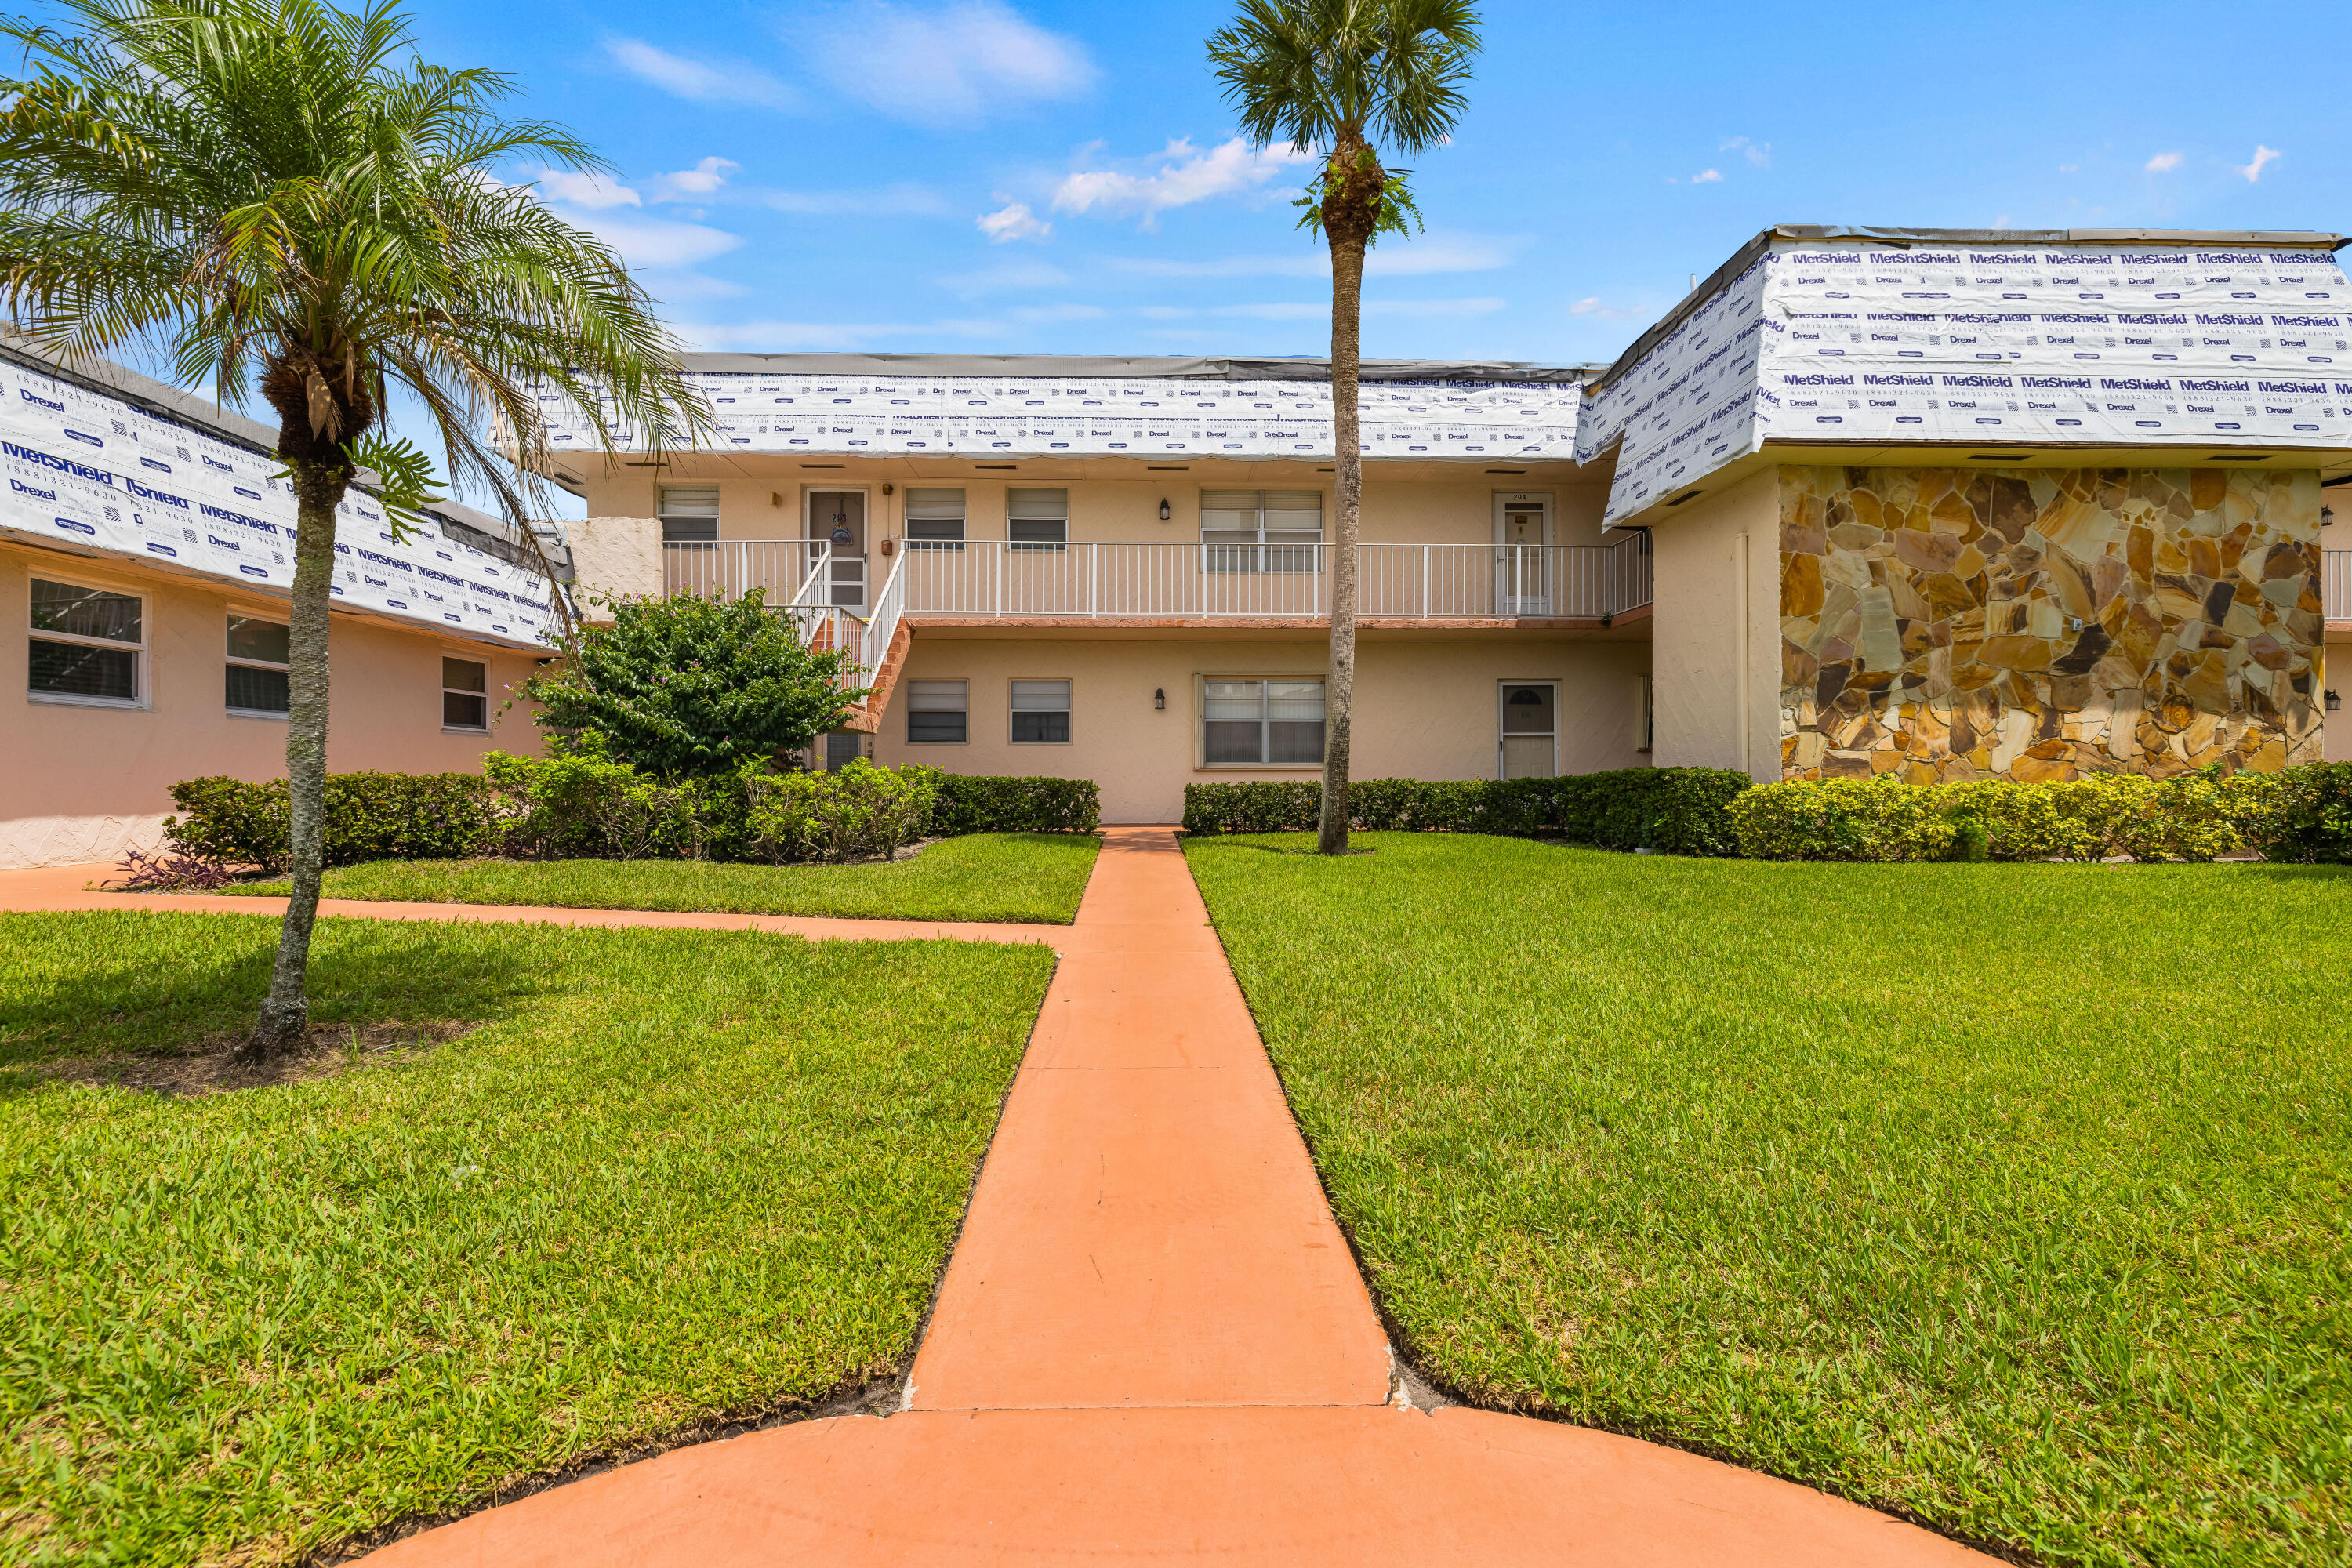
(2199, 342)
(121, 473)
(976, 407)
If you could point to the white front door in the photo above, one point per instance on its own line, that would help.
(1523, 555)
(1527, 740)
(837, 518)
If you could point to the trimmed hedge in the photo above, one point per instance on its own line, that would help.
(370, 816)
(572, 806)
(1677, 811)
(2307, 815)
(983, 803)
(2188, 817)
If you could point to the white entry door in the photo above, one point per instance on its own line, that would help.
(1523, 553)
(1527, 740)
(837, 518)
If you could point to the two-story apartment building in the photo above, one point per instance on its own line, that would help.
(1945, 504)
(1934, 503)
(1120, 569)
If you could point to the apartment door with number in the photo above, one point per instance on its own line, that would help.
(1523, 553)
(837, 519)
(1527, 744)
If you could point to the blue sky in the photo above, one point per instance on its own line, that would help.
(1037, 177)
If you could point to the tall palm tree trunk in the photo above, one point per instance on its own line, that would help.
(1339, 686)
(286, 1013)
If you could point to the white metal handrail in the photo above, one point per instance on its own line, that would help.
(1190, 581)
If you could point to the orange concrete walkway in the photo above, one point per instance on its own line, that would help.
(68, 888)
(1152, 1346)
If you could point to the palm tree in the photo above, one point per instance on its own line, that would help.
(280, 192)
(1347, 77)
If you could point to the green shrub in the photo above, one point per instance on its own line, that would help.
(370, 816)
(584, 805)
(686, 687)
(2188, 817)
(859, 812)
(2302, 815)
(980, 802)
(1677, 811)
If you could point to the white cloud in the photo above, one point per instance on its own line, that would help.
(1040, 315)
(1485, 306)
(1307, 263)
(658, 242)
(1707, 177)
(1759, 153)
(963, 61)
(732, 81)
(1014, 221)
(2002, 222)
(900, 200)
(2068, 168)
(2163, 164)
(2254, 170)
(594, 191)
(1177, 175)
(1590, 305)
(699, 181)
(1318, 309)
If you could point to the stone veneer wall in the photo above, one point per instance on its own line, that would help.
(2043, 624)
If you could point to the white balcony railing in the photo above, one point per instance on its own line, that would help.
(991, 578)
(2335, 584)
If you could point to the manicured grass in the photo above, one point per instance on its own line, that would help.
(2013, 1196)
(678, 1175)
(1022, 877)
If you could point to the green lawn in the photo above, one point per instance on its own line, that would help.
(1024, 876)
(2013, 1196)
(678, 1175)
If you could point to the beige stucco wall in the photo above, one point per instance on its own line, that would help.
(1457, 508)
(2336, 666)
(81, 784)
(616, 557)
(1424, 709)
(1715, 633)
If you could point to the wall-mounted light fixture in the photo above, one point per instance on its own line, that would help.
(885, 487)
(1163, 511)
(2334, 703)
(2327, 517)
(1159, 696)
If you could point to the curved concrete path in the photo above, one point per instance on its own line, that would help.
(1151, 1344)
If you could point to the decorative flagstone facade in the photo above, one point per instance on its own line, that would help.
(2043, 624)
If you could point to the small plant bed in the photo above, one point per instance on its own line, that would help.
(2010, 1196)
(671, 1179)
(1032, 878)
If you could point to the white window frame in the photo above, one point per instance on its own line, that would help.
(661, 513)
(1254, 555)
(1069, 706)
(912, 739)
(449, 691)
(1037, 545)
(962, 520)
(140, 700)
(235, 612)
(1201, 762)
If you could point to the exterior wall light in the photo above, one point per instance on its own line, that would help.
(1160, 693)
(1163, 511)
(2333, 702)
(2326, 516)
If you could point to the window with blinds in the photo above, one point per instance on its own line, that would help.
(935, 519)
(1269, 722)
(689, 513)
(1037, 520)
(1261, 530)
